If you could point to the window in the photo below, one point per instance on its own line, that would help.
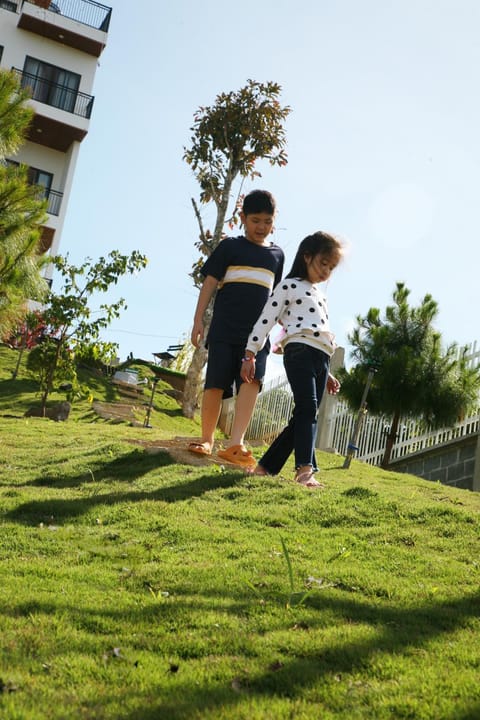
(40, 177)
(8, 5)
(35, 176)
(50, 84)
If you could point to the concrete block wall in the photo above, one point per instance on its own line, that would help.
(456, 463)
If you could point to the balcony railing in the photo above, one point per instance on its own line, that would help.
(54, 201)
(54, 198)
(56, 94)
(86, 12)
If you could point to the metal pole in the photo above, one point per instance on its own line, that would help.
(352, 446)
(146, 422)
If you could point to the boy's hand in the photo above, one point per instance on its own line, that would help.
(247, 372)
(333, 386)
(197, 334)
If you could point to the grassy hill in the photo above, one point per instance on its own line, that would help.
(135, 586)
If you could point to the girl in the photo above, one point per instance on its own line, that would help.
(299, 306)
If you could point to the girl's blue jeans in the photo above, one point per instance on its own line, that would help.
(307, 372)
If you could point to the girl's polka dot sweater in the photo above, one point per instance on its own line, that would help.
(301, 308)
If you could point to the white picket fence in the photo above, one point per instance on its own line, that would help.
(275, 405)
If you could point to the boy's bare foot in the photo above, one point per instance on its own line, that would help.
(200, 448)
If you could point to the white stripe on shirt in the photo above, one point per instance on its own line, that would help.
(248, 274)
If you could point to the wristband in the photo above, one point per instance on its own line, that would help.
(245, 359)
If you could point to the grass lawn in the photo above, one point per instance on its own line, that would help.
(134, 586)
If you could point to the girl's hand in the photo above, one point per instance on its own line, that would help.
(333, 386)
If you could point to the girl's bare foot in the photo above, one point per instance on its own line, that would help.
(307, 479)
(257, 470)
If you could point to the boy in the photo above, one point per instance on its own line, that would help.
(243, 271)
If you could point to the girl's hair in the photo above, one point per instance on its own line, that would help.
(259, 201)
(320, 243)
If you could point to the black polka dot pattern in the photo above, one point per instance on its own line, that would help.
(307, 322)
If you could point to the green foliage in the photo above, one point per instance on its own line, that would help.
(15, 115)
(415, 376)
(41, 358)
(228, 138)
(68, 315)
(21, 213)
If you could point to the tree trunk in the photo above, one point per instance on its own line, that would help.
(19, 359)
(49, 379)
(193, 382)
(391, 437)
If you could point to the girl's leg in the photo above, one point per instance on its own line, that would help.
(307, 371)
(279, 451)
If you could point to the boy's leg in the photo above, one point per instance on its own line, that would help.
(244, 407)
(246, 397)
(218, 377)
(211, 408)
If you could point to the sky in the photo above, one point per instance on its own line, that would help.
(383, 147)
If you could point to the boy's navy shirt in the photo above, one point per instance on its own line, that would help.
(247, 274)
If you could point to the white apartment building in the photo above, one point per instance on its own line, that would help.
(54, 47)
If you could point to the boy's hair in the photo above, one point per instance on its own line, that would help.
(259, 201)
(320, 243)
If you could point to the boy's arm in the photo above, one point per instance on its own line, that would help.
(208, 288)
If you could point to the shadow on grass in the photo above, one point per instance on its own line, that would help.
(126, 468)
(397, 631)
(17, 395)
(37, 511)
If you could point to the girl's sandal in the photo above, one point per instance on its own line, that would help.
(307, 479)
(257, 470)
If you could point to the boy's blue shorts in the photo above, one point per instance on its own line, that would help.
(224, 364)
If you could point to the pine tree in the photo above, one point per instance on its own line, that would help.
(415, 376)
(21, 212)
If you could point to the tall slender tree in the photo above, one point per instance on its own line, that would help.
(228, 138)
(415, 376)
(21, 212)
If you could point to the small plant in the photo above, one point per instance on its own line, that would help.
(296, 598)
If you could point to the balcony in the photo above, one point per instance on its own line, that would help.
(56, 94)
(53, 197)
(82, 24)
(51, 128)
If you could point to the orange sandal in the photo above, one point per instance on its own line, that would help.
(238, 455)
